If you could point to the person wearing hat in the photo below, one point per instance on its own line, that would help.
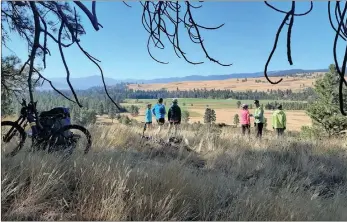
(159, 112)
(259, 118)
(174, 116)
(279, 121)
(245, 120)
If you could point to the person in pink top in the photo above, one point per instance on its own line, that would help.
(245, 120)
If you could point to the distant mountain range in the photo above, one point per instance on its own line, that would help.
(92, 81)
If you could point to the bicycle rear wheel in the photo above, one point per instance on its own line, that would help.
(71, 138)
(12, 138)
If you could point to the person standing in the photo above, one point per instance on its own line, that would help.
(159, 113)
(245, 120)
(174, 116)
(279, 121)
(259, 118)
(148, 118)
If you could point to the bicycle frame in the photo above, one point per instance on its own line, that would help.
(26, 116)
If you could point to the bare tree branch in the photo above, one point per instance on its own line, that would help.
(50, 82)
(66, 67)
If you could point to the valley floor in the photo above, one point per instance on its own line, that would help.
(225, 111)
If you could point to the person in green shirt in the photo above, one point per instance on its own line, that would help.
(259, 118)
(279, 121)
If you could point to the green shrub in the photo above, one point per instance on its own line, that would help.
(311, 132)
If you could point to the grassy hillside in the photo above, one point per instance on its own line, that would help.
(294, 83)
(224, 177)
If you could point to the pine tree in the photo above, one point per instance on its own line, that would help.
(207, 116)
(210, 116)
(213, 116)
(75, 115)
(238, 104)
(86, 103)
(325, 111)
(236, 119)
(101, 109)
(134, 110)
(265, 123)
(107, 106)
(83, 117)
(91, 117)
(185, 116)
(12, 83)
(87, 117)
(112, 113)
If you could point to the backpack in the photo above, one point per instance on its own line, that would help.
(55, 118)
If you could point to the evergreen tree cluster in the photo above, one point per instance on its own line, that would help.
(121, 92)
(287, 105)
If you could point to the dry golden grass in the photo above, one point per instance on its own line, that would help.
(124, 178)
(293, 83)
(9, 118)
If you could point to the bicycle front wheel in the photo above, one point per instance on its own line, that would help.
(12, 138)
(71, 138)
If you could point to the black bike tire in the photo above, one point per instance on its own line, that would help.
(77, 127)
(21, 132)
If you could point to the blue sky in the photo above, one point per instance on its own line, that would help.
(246, 41)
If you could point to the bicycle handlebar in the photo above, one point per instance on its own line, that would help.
(24, 103)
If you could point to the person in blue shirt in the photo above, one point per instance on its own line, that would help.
(159, 113)
(148, 118)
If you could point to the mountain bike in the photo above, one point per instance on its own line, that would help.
(50, 134)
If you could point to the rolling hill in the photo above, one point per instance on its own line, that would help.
(295, 83)
(92, 81)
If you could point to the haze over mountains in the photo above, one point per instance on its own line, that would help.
(92, 81)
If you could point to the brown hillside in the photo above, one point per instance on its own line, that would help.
(293, 83)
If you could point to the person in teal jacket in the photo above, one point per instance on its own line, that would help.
(148, 114)
(279, 121)
(148, 118)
